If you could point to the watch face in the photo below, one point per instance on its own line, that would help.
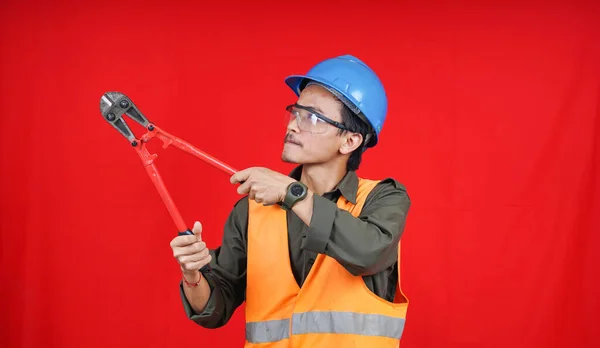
(297, 190)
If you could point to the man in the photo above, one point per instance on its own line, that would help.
(315, 254)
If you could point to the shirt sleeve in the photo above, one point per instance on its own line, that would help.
(227, 279)
(367, 244)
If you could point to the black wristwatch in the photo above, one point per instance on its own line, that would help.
(295, 192)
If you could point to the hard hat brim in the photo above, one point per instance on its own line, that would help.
(294, 82)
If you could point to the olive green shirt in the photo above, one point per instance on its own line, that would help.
(366, 246)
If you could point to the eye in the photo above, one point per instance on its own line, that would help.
(314, 119)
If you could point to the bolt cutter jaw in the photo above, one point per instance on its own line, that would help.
(113, 105)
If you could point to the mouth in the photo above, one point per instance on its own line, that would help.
(289, 140)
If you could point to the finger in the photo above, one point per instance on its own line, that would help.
(199, 256)
(244, 188)
(189, 250)
(197, 229)
(194, 266)
(240, 176)
(184, 240)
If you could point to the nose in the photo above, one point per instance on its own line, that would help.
(293, 125)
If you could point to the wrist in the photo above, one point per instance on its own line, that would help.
(191, 279)
(304, 208)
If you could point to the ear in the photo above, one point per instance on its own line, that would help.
(351, 142)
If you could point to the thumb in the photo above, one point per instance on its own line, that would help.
(197, 229)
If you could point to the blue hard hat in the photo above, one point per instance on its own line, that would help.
(355, 82)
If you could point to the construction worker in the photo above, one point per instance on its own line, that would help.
(314, 254)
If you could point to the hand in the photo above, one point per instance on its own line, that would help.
(191, 253)
(262, 185)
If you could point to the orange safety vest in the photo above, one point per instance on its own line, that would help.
(333, 308)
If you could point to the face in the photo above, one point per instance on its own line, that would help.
(315, 141)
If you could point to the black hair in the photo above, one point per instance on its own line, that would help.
(356, 125)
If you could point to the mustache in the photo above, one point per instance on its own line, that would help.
(290, 138)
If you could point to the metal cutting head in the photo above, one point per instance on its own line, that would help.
(113, 105)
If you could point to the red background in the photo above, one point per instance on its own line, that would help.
(493, 125)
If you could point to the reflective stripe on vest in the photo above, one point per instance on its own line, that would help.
(268, 331)
(325, 322)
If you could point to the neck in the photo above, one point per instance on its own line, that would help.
(321, 178)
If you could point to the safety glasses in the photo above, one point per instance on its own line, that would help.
(309, 120)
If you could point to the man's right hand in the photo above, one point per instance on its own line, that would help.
(191, 253)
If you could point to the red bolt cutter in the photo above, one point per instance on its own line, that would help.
(113, 106)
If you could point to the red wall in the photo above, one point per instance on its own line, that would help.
(493, 125)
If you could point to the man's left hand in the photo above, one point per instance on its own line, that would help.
(262, 185)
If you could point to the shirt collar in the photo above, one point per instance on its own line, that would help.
(348, 186)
